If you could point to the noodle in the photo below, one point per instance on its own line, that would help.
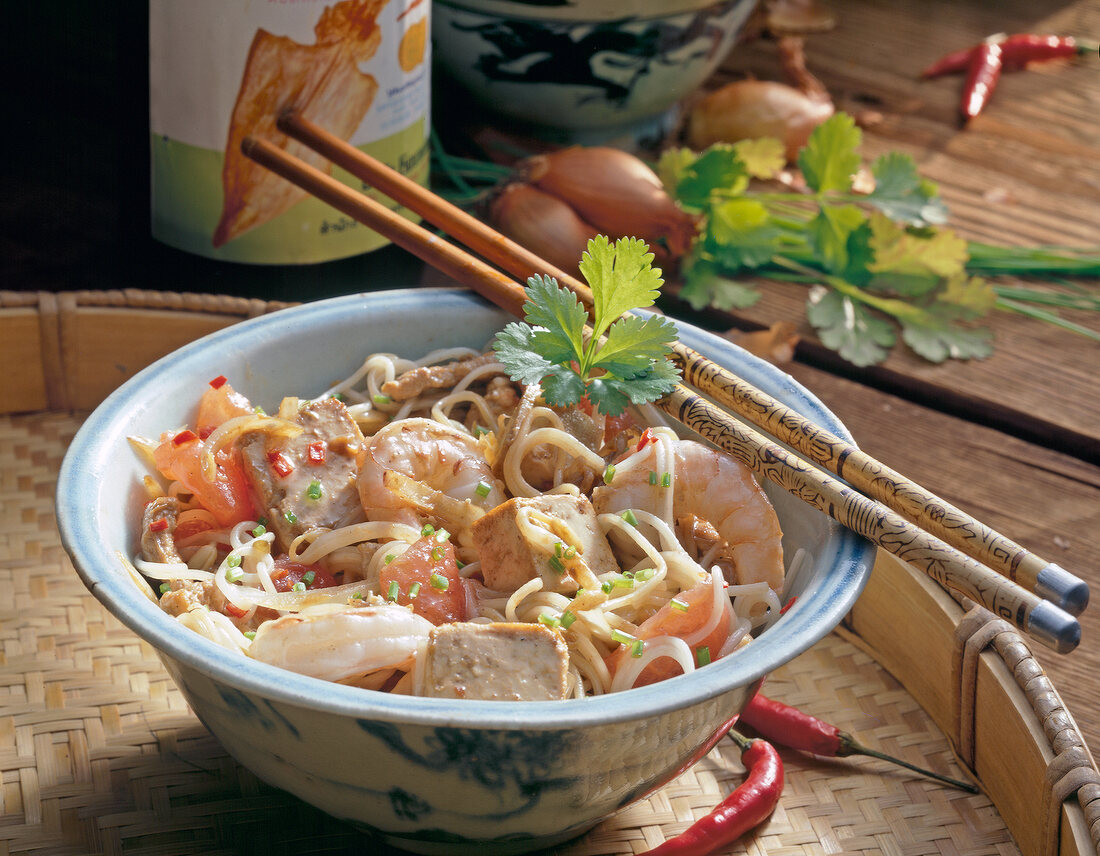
(676, 590)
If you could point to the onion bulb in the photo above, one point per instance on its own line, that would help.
(614, 191)
(543, 224)
(750, 109)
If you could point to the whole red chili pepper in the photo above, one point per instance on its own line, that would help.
(748, 806)
(981, 78)
(1017, 52)
(788, 726)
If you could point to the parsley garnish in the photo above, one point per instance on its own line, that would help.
(623, 360)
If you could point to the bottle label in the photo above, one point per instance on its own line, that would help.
(222, 70)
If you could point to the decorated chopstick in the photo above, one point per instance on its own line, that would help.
(1045, 622)
(871, 477)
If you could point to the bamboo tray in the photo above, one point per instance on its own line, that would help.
(100, 754)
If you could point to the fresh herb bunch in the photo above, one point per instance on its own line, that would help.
(622, 360)
(876, 261)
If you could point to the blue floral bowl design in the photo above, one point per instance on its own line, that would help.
(584, 70)
(428, 775)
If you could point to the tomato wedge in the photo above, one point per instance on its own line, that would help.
(441, 597)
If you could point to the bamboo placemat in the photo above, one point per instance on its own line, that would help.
(99, 754)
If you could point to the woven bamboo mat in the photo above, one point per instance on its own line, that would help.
(99, 753)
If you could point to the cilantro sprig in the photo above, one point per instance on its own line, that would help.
(876, 262)
(622, 360)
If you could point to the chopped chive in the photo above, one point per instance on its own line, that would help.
(636, 648)
(382, 399)
(653, 477)
(259, 530)
(608, 474)
(666, 480)
(234, 574)
(556, 565)
(629, 517)
(645, 574)
(438, 553)
(427, 531)
(460, 564)
(483, 488)
(392, 591)
(702, 655)
(165, 588)
(606, 587)
(262, 521)
(438, 581)
(442, 536)
(308, 577)
(314, 490)
(414, 590)
(624, 582)
(570, 552)
(390, 557)
(232, 560)
(623, 638)
(290, 517)
(357, 596)
(628, 574)
(339, 396)
(567, 618)
(557, 548)
(250, 634)
(548, 620)
(260, 411)
(298, 587)
(479, 430)
(679, 605)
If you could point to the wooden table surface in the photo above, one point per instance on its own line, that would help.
(1014, 439)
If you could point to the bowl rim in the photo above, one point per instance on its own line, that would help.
(98, 569)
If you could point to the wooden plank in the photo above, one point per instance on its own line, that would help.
(23, 381)
(1024, 173)
(1045, 500)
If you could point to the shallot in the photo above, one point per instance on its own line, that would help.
(543, 224)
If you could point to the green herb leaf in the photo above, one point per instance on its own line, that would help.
(720, 166)
(831, 155)
(937, 339)
(849, 328)
(829, 233)
(901, 194)
(764, 157)
(742, 234)
(621, 277)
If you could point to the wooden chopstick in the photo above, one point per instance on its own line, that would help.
(1047, 623)
(869, 476)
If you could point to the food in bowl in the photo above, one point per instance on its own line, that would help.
(427, 774)
(433, 528)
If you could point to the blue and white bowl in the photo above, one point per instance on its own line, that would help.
(584, 70)
(429, 775)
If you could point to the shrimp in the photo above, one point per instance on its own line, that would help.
(422, 465)
(707, 484)
(342, 643)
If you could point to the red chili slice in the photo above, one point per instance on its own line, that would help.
(646, 438)
(217, 382)
(158, 525)
(317, 452)
(184, 436)
(280, 464)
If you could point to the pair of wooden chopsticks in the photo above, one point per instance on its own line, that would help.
(1033, 594)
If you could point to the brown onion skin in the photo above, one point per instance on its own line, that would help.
(616, 192)
(543, 224)
(750, 109)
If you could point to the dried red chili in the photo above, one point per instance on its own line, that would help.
(748, 806)
(1017, 52)
(981, 78)
(788, 726)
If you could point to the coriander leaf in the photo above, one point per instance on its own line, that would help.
(741, 233)
(829, 232)
(938, 339)
(632, 343)
(611, 394)
(901, 194)
(717, 168)
(764, 157)
(901, 251)
(561, 316)
(608, 396)
(672, 166)
(831, 155)
(973, 296)
(705, 285)
(849, 328)
(562, 386)
(515, 350)
(620, 277)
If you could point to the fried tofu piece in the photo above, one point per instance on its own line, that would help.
(509, 558)
(495, 662)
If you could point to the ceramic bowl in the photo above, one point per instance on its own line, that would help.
(429, 775)
(584, 70)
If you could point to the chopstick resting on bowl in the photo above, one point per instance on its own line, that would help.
(1044, 621)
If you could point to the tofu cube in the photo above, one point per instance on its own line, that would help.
(508, 560)
(495, 662)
